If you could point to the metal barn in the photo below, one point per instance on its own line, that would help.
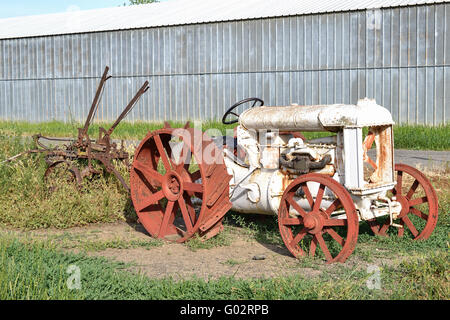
(202, 56)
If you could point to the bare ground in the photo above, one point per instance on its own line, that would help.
(244, 257)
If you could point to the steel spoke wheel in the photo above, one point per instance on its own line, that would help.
(419, 202)
(317, 214)
(171, 186)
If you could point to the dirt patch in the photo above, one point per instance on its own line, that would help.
(242, 259)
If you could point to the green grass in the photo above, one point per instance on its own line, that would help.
(422, 137)
(39, 271)
(416, 137)
(26, 203)
(223, 239)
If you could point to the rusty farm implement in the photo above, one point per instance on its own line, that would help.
(74, 159)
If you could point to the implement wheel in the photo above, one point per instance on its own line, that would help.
(419, 202)
(316, 211)
(179, 184)
(61, 172)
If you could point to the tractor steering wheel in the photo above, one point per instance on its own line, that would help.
(237, 104)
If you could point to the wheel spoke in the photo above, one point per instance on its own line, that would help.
(298, 237)
(308, 195)
(417, 201)
(419, 213)
(291, 201)
(196, 175)
(399, 182)
(194, 187)
(162, 152)
(401, 231)
(373, 224)
(185, 213)
(148, 172)
(312, 247)
(412, 190)
(153, 199)
(291, 221)
(184, 156)
(410, 226)
(323, 246)
(384, 227)
(335, 223)
(335, 236)
(191, 209)
(319, 198)
(335, 205)
(165, 222)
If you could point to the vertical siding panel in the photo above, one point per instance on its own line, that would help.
(446, 30)
(395, 37)
(403, 37)
(387, 39)
(430, 35)
(308, 38)
(446, 95)
(301, 43)
(394, 85)
(412, 36)
(2, 61)
(421, 36)
(339, 38)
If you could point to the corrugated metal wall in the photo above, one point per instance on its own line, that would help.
(399, 56)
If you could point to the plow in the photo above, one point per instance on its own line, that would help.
(74, 160)
(183, 181)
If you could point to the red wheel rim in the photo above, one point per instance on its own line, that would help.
(419, 205)
(163, 185)
(304, 230)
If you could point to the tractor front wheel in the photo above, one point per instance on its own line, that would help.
(419, 205)
(316, 211)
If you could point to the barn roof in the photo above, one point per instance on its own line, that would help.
(180, 12)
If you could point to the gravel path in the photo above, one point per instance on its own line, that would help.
(433, 160)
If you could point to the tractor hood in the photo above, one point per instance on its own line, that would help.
(365, 113)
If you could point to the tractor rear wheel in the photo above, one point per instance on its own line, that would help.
(179, 184)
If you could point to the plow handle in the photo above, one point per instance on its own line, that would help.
(130, 106)
(103, 80)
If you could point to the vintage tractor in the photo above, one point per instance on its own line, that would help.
(183, 182)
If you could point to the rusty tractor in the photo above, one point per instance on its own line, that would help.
(183, 181)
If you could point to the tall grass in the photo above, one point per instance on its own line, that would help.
(26, 203)
(418, 137)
